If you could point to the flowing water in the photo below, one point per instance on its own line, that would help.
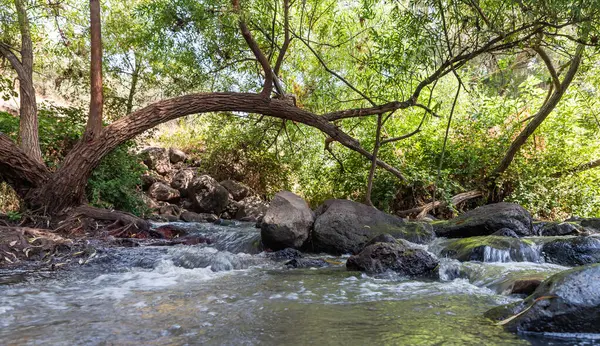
(227, 293)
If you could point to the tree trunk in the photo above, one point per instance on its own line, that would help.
(65, 188)
(94, 123)
(540, 116)
(28, 127)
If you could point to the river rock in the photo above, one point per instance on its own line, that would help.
(284, 255)
(189, 216)
(150, 203)
(505, 232)
(557, 229)
(170, 209)
(490, 249)
(398, 257)
(306, 263)
(574, 251)
(567, 302)
(486, 220)
(593, 224)
(157, 159)
(251, 208)
(287, 222)
(237, 190)
(207, 195)
(182, 179)
(176, 155)
(344, 226)
(163, 192)
(150, 178)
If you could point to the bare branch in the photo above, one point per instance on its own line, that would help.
(542, 53)
(262, 59)
(286, 41)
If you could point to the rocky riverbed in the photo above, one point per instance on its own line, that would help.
(342, 273)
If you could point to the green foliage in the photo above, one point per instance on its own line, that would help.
(115, 183)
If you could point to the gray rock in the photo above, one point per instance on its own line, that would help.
(150, 178)
(486, 220)
(170, 209)
(490, 249)
(231, 209)
(505, 232)
(382, 238)
(593, 224)
(306, 263)
(251, 208)
(189, 216)
(176, 155)
(157, 159)
(237, 190)
(398, 257)
(207, 195)
(344, 226)
(567, 302)
(572, 251)
(163, 192)
(285, 254)
(182, 180)
(287, 222)
(150, 203)
(558, 229)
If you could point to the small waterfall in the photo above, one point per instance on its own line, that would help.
(496, 255)
(489, 249)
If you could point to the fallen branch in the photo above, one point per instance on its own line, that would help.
(455, 200)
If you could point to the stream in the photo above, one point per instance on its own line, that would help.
(227, 293)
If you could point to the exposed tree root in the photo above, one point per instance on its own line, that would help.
(87, 219)
(455, 200)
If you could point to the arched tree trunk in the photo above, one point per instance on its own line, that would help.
(65, 188)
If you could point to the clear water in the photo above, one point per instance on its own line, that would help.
(203, 295)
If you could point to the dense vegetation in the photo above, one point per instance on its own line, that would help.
(341, 55)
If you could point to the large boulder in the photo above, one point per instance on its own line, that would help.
(592, 224)
(176, 155)
(490, 249)
(344, 226)
(573, 252)
(398, 257)
(189, 216)
(486, 220)
(182, 179)
(287, 222)
(157, 159)
(551, 229)
(150, 178)
(251, 208)
(567, 302)
(163, 192)
(237, 190)
(207, 195)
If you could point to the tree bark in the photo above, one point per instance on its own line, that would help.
(19, 169)
(66, 187)
(540, 116)
(28, 123)
(94, 123)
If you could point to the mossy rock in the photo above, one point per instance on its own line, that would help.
(567, 302)
(490, 249)
(344, 226)
(486, 220)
